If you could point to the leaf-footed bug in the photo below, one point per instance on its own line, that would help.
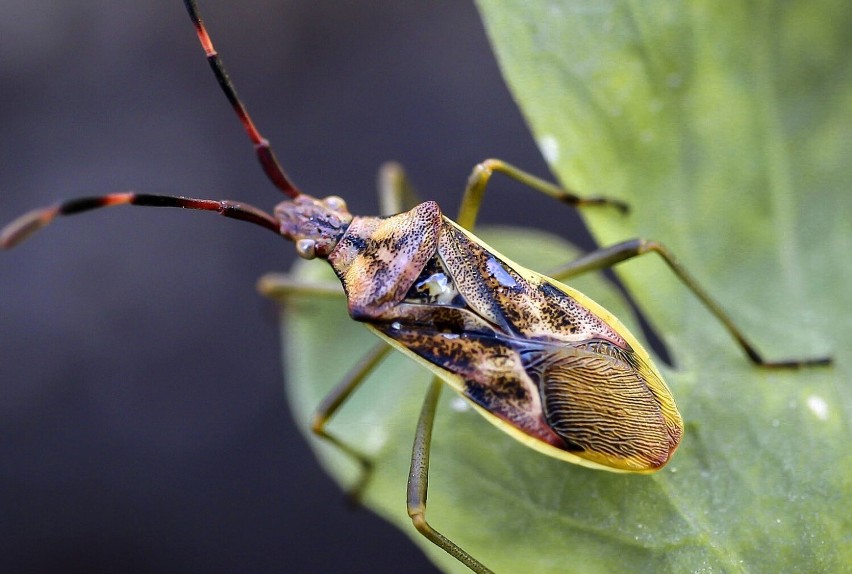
(423, 293)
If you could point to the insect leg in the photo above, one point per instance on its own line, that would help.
(29, 223)
(396, 193)
(612, 255)
(481, 174)
(418, 482)
(268, 161)
(279, 286)
(332, 403)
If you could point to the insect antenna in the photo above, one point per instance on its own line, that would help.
(271, 167)
(29, 223)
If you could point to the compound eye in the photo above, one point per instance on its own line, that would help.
(335, 203)
(306, 248)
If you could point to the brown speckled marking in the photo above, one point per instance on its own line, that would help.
(379, 258)
(493, 373)
(496, 291)
(510, 340)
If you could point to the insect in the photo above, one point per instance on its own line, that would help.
(434, 291)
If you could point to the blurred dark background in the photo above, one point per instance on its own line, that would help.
(143, 426)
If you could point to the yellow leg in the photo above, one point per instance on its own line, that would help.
(481, 174)
(609, 256)
(418, 482)
(332, 403)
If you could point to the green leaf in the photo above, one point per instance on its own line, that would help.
(727, 127)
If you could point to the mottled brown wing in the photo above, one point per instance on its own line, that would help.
(482, 366)
(521, 303)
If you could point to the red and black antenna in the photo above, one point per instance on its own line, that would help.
(271, 167)
(29, 223)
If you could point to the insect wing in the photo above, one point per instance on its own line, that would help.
(540, 360)
(601, 404)
(486, 370)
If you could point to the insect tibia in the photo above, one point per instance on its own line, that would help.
(316, 225)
